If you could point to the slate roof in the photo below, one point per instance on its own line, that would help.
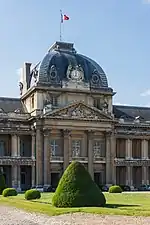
(11, 104)
(62, 55)
(130, 112)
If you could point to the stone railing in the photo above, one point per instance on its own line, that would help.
(132, 162)
(8, 160)
(78, 158)
(99, 159)
(13, 115)
(57, 158)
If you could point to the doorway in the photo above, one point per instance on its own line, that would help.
(55, 177)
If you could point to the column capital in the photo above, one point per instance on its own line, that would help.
(109, 133)
(46, 131)
(66, 132)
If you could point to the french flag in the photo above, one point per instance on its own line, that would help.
(64, 17)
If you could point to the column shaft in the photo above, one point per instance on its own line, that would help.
(47, 157)
(39, 158)
(108, 160)
(33, 175)
(90, 154)
(14, 176)
(113, 156)
(33, 146)
(14, 145)
(67, 150)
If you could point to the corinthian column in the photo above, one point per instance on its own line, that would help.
(66, 135)
(108, 159)
(39, 157)
(90, 154)
(47, 157)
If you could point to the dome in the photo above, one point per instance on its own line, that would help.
(62, 64)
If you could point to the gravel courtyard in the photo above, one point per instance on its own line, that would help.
(13, 216)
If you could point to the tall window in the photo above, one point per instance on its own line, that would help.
(136, 148)
(76, 148)
(54, 100)
(54, 148)
(2, 148)
(99, 148)
(121, 148)
(32, 101)
(97, 103)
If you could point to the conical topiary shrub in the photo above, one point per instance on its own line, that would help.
(2, 183)
(77, 189)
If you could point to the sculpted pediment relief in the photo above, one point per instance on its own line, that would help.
(79, 111)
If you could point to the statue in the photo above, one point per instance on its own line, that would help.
(35, 74)
(21, 87)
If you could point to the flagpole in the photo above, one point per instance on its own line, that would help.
(60, 25)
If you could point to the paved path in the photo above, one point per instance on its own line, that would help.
(13, 216)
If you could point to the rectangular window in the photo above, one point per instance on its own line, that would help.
(2, 148)
(54, 100)
(120, 148)
(76, 148)
(136, 148)
(97, 103)
(54, 148)
(32, 101)
(99, 148)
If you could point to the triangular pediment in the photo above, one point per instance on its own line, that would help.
(80, 111)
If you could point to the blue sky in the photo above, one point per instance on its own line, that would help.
(115, 33)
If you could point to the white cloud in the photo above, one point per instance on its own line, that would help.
(145, 93)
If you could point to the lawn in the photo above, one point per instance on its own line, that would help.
(117, 204)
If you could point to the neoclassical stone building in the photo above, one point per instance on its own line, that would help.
(65, 113)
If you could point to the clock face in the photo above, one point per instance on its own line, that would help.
(76, 75)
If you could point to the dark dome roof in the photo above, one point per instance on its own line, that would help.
(53, 69)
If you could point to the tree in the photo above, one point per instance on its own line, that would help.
(77, 189)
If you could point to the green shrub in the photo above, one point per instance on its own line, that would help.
(9, 192)
(2, 183)
(32, 194)
(77, 189)
(115, 189)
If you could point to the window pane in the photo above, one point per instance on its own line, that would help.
(76, 148)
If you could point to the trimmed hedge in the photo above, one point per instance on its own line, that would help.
(9, 192)
(32, 194)
(77, 189)
(2, 183)
(115, 189)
